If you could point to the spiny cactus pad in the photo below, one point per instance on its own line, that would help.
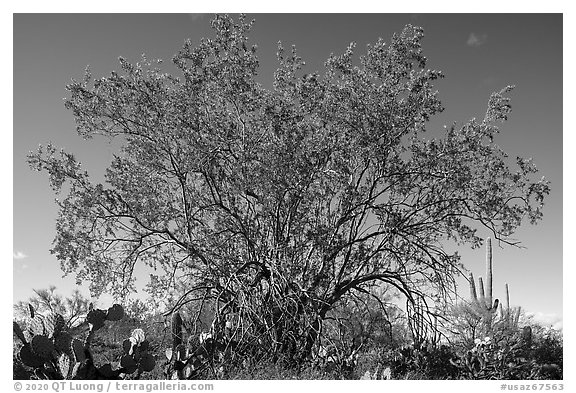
(144, 345)
(138, 335)
(147, 362)
(107, 372)
(63, 342)
(36, 326)
(42, 346)
(28, 336)
(128, 363)
(127, 346)
(64, 365)
(18, 332)
(136, 353)
(53, 324)
(78, 348)
(176, 329)
(96, 318)
(115, 313)
(75, 369)
(30, 359)
(49, 322)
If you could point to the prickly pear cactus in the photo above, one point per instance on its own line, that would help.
(138, 336)
(96, 319)
(129, 364)
(65, 365)
(36, 325)
(147, 362)
(18, 332)
(53, 353)
(115, 313)
(63, 343)
(49, 324)
(42, 346)
(78, 351)
(136, 356)
(28, 358)
(107, 371)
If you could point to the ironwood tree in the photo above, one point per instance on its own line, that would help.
(276, 203)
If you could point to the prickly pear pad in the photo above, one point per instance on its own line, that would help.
(115, 313)
(42, 346)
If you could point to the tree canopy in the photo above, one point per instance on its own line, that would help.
(277, 203)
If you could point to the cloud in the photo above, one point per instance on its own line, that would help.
(476, 40)
(553, 320)
(19, 255)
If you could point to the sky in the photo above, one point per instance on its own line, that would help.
(478, 53)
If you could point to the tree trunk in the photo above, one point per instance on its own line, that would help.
(314, 331)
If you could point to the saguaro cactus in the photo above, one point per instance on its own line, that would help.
(510, 315)
(485, 299)
(482, 292)
(473, 295)
(176, 330)
(488, 272)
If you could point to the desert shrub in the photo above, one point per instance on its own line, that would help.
(408, 362)
(279, 370)
(423, 363)
(522, 355)
(368, 318)
(529, 352)
(547, 353)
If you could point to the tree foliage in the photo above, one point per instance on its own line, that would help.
(72, 308)
(277, 203)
